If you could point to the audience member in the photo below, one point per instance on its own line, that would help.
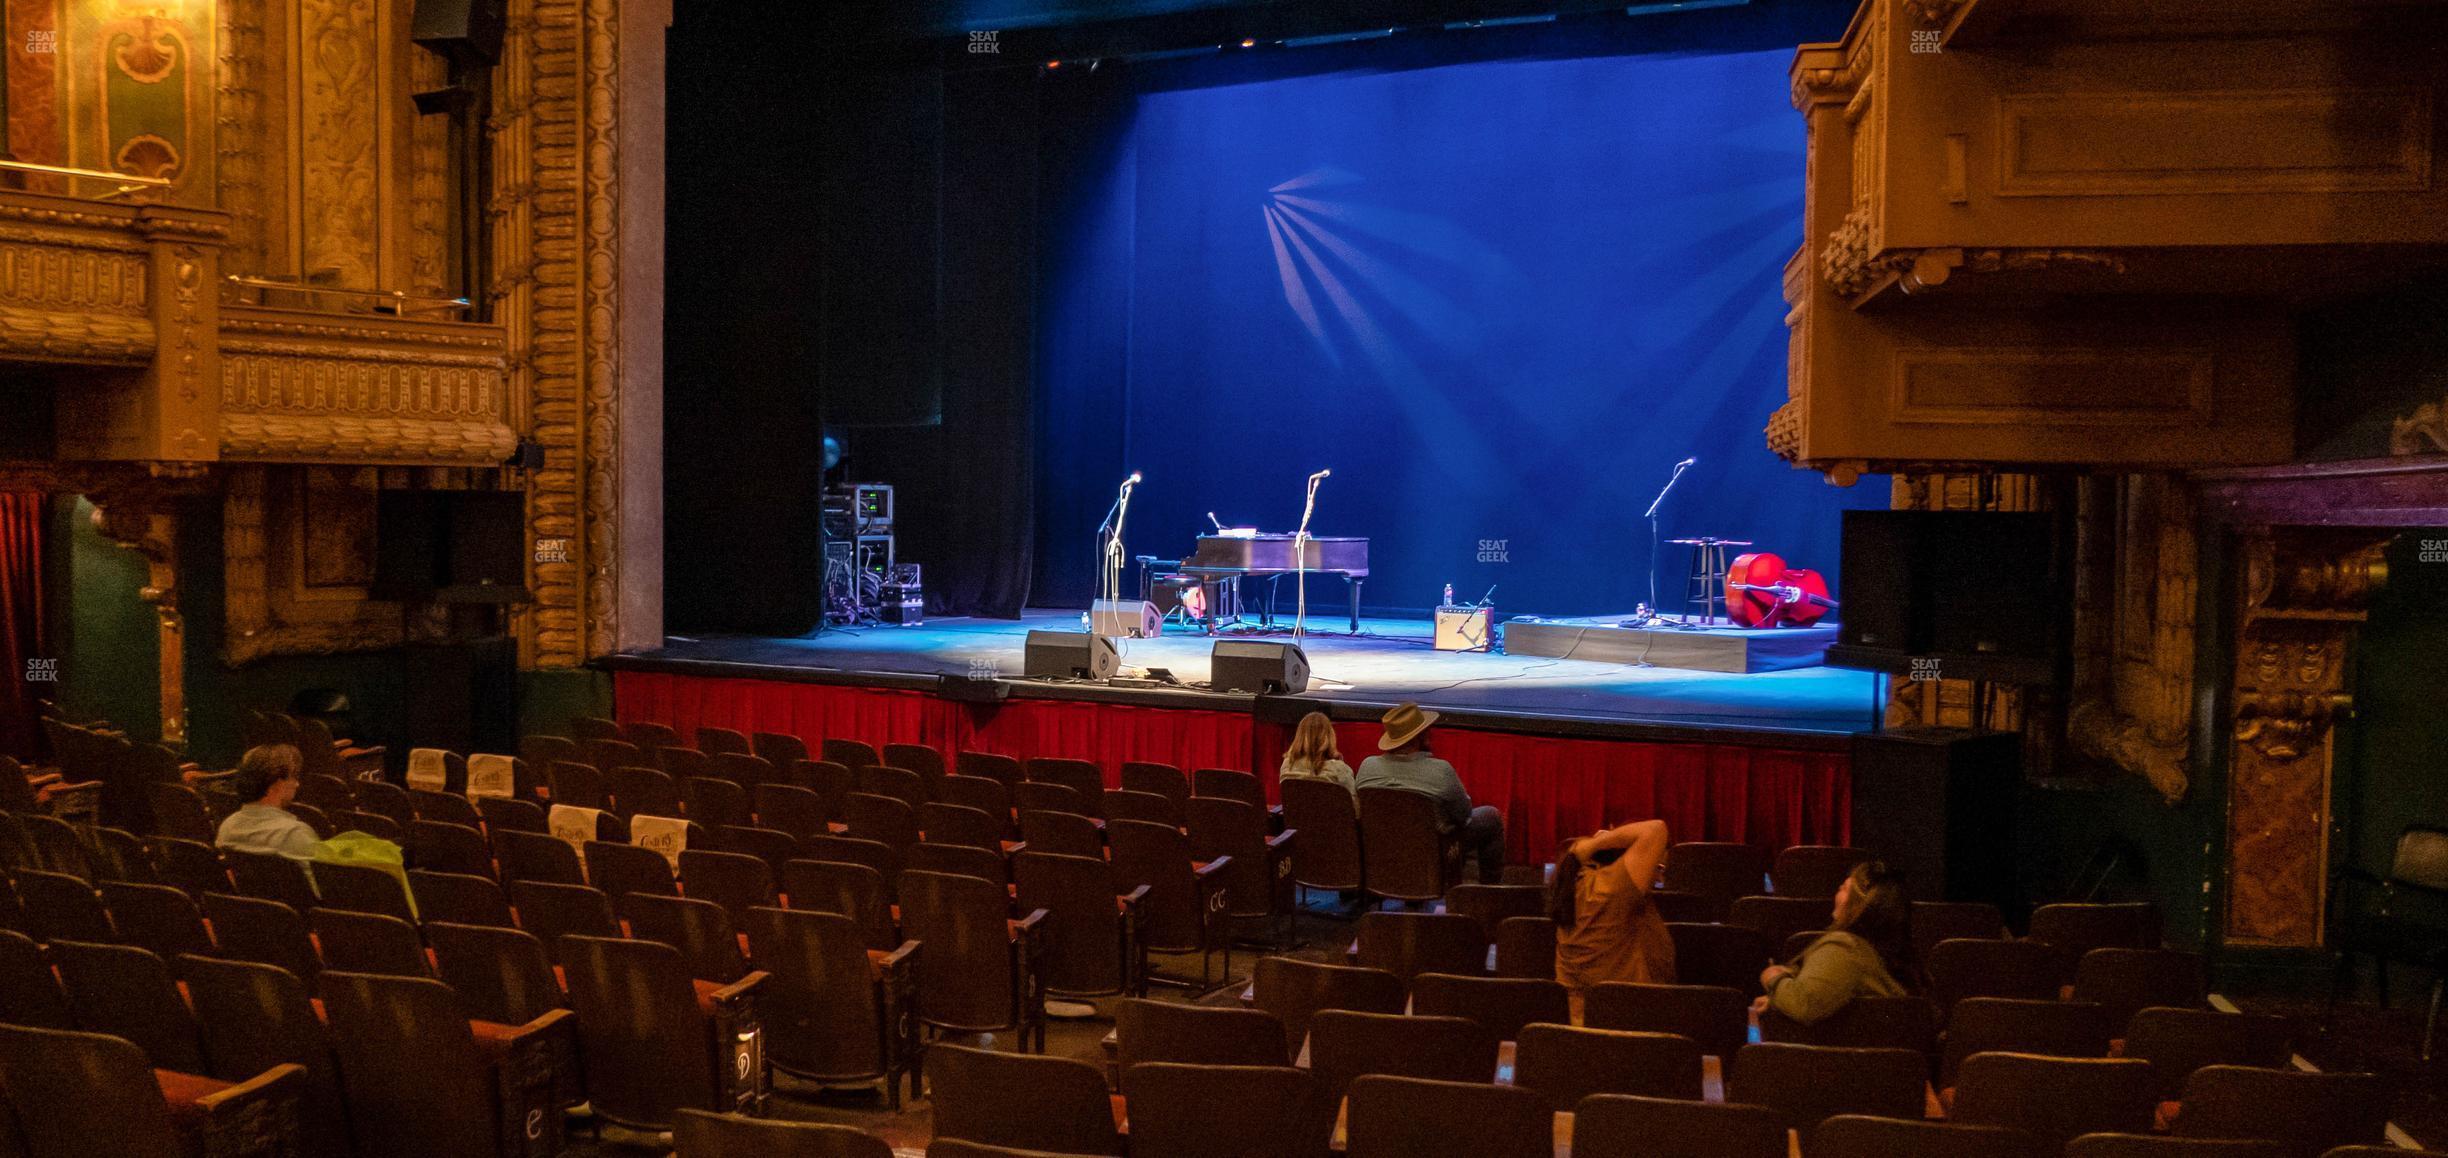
(1313, 755)
(267, 780)
(1867, 952)
(1606, 927)
(1403, 761)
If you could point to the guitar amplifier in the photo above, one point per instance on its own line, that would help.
(1465, 628)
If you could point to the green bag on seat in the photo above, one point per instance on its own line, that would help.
(371, 851)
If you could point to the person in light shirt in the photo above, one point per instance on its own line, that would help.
(1313, 754)
(267, 780)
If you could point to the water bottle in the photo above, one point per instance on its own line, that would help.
(1448, 596)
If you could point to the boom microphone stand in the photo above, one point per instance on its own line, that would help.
(1300, 557)
(1652, 516)
(1111, 587)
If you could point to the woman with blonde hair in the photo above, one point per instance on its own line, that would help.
(1867, 952)
(1314, 756)
(1607, 929)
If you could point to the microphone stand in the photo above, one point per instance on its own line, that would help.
(1300, 560)
(1655, 612)
(1113, 544)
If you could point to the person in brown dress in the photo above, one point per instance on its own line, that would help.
(1606, 927)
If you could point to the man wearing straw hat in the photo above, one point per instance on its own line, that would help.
(1403, 761)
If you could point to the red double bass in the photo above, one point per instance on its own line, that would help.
(1761, 591)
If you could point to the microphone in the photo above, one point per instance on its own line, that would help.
(1678, 466)
(1219, 525)
(1319, 475)
(1133, 479)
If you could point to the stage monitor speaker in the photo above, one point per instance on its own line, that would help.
(1258, 665)
(1938, 805)
(1979, 593)
(462, 30)
(963, 689)
(1064, 655)
(1134, 618)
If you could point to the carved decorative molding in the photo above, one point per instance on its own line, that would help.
(270, 610)
(601, 330)
(2135, 561)
(301, 387)
(2302, 594)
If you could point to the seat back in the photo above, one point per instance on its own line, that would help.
(789, 808)
(883, 858)
(820, 1008)
(1624, 1126)
(1202, 1035)
(500, 974)
(541, 750)
(266, 932)
(536, 856)
(854, 891)
(1157, 779)
(1084, 946)
(987, 795)
(1345, 1045)
(1048, 796)
(2054, 1099)
(270, 876)
(1158, 855)
(648, 1047)
(961, 859)
(714, 803)
(941, 823)
(1223, 826)
(885, 820)
(715, 741)
(698, 1134)
(638, 789)
(1080, 776)
(1808, 1084)
(1727, 955)
(1502, 1004)
(1813, 870)
(926, 761)
(504, 815)
(62, 907)
(700, 929)
(78, 1094)
(2080, 928)
(2017, 1025)
(553, 912)
(1716, 1018)
(128, 992)
(1124, 804)
(1024, 1101)
(1403, 849)
(574, 782)
(1297, 991)
(1781, 918)
(1228, 784)
(362, 889)
(1963, 968)
(1327, 855)
(416, 1084)
(969, 973)
(620, 869)
(2126, 981)
(831, 782)
(1225, 1111)
(1865, 1023)
(1490, 905)
(442, 846)
(178, 810)
(991, 765)
(369, 943)
(1565, 1064)
(852, 754)
(780, 749)
(1397, 1117)
(1525, 947)
(2176, 1042)
(2163, 1146)
(899, 783)
(1861, 1136)
(29, 991)
(1060, 833)
(1719, 871)
(771, 845)
(461, 898)
(193, 867)
(255, 1017)
(2307, 1114)
(735, 881)
(650, 735)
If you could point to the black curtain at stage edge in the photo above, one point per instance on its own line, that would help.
(853, 247)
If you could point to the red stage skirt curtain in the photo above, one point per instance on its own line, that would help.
(1549, 788)
(21, 621)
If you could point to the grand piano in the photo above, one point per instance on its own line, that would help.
(1222, 561)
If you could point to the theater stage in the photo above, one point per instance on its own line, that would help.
(1562, 746)
(1388, 662)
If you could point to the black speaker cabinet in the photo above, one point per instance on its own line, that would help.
(1938, 805)
(1066, 655)
(1258, 665)
(1979, 595)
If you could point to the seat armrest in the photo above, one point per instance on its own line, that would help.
(1131, 899)
(550, 1021)
(1281, 840)
(740, 988)
(1211, 872)
(270, 1079)
(893, 960)
(1027, 926)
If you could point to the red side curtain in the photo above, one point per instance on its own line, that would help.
(1548, 787)
(21, 621)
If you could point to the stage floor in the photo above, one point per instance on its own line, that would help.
(1388, 662)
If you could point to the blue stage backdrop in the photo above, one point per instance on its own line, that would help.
(1499, 299)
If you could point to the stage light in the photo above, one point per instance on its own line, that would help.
(1249, 43)
(1051, 65)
